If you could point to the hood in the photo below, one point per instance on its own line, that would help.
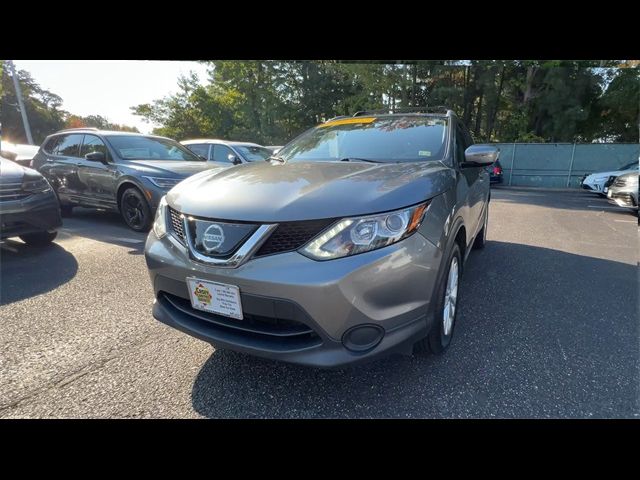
(11, 172)
(169, 168)
(277, 192)
(604, 175)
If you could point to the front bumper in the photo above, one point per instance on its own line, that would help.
(594, 185)
(39, 212)
(621, 198)
(388, 290)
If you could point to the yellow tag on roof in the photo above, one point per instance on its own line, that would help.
(347, 121)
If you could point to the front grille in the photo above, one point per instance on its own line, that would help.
(12, 191)
(287, 236)
(291, 236)
(620, 182)
(254, 330)
(176, 225)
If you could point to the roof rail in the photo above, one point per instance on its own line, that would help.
(337, 118)
(392, 110)
(79, 128)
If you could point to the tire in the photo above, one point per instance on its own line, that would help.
(39, 239)
(481, 238)
(135, 210)
(439, 337)
(66, 210)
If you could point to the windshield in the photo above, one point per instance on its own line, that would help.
(384, 139)
(130, 147)
(630, 166)
(253, 153)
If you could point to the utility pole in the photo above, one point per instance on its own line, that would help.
(23, 112)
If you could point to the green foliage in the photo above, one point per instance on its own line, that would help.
(526, 100)
(43, 111)
(42, 106)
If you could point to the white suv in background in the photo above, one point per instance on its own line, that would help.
(596, 181)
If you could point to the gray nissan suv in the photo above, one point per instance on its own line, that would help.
(346, 246)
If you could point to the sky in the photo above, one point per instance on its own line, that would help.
(110, 87)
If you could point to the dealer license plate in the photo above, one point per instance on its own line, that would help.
(214, 297)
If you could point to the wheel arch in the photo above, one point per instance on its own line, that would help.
(123, 185)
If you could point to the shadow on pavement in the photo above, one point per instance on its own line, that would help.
(539, 334)
(103, 226)
(26, 271)
(563, 199)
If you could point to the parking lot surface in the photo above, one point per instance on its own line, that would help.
(547, 327)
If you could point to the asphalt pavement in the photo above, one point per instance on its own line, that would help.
(547, 327)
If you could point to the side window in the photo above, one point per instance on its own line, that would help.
(460, 145)
(52, 143)
(221, 153)
(201, 149)
(91, 144)
(69, 146)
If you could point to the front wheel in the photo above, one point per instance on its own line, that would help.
(135, 210)
(39, 239)
(439, 338)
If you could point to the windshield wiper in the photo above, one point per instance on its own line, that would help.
(277, 158)
(356, 159)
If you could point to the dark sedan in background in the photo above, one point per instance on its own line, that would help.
(18, 152)
(28, 207)
(124, 172)
(495, 172)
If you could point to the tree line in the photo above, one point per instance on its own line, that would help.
(44, 110)
(271, 102)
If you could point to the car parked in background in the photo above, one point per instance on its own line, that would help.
(28, 206)
(624, 191)
(227, 153)
(595, 182)
(119, 171)
(274, 148)
(20, 153)
(495, 172)
(347, 246)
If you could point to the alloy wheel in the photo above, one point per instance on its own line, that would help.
(450, 297)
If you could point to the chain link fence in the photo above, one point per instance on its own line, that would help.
(561, 165)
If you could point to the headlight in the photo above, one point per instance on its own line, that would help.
(160, 222)
(351, 236)
(164, 183)
(35, 185)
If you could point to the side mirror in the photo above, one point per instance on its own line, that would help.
(233, 159)
(96, 157)
(480, 156)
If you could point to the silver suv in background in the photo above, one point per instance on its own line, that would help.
(226, 153)
(348, 245)
(624, 191)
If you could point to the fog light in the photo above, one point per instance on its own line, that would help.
(362, 337)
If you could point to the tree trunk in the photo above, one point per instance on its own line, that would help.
(491, 119)
(476, 130)
(413, 85)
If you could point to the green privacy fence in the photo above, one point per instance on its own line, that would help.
(561, 165)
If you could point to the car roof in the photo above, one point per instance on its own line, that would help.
(217, 140)
(107, 133)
